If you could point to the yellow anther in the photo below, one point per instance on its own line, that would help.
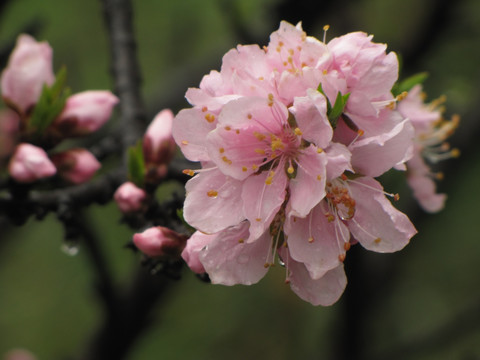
(291, 51)
(221, 150)
(396, 197)
(325, 72)
(241, 241)
(290, 169)
(311, 239)
(377, 241)
(298, 132)
(401, 96)
(455, 152)
(341, 257)
(259, 136)
(346, 246)
(249, 116)
(204, 109)
(330, 217)
(228, 128)
(237, 131)
(280, 43)
(261, 78)
(270, 99)
(277, 144)
(184, 142)
(227, 160)
(391, 105)
(266, 265)
(319, 150)
(244, 168)
(319, 177)
(258, 219)
(290, 60)
(212, 193)
(188, 172)
(210, 117)
(260, 151)
(269, 180)
(254, 167)
(439, 176)
(360, 132)
(285, 63)
(326, 27)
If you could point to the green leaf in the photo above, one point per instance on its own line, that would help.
(50, 104)
(329, 105)
(338, 107)
(136, 164)
(408, 83)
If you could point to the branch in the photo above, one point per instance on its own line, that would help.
(125, 68)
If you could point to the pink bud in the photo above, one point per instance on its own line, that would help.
(76, 165)
(159, 145)
(129, 198)
(30, 163)
(160, 241)
(19, 354)
(192, 250)
(85, 112)
(28, 69)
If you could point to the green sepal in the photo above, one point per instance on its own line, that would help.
(136, 164)
(182, 219)
(50, 104)
(408, 83)
(334, 112)
(338, 108)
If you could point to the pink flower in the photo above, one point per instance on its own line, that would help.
(129, 198)
(85, 112)
(76, 165)
(159, 146)
(28, 69)
(30, 163)
(281, 176)
(431, 131)
(160, 241)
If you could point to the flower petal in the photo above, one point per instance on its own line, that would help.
(230, 260)
(377, 225)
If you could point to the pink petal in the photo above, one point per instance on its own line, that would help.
(372, 156)
(129, 197)
(338, 161)
(316, 242)
(190, 129)
(213, 202)
(261, 202)
(30, 163)
(324, 291)
(29, 69)
(311, 115)
(191, 253)
(76, 165)
(230, 260)
(307, 189)
(377, 225)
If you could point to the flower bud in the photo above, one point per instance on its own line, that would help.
(28, 69)
(30, 163)
(158, 145)
(76, 165)
(159, 242)
(192, 250)
(129, 198)
(85, 112)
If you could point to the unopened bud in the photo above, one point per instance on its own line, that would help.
(30, 163)
(129, 198)
(76, 165)
(28, 69)
(159, 146)
(160, 241)
(85, 113)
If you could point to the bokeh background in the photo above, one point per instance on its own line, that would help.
(421, 303)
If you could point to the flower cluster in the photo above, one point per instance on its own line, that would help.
(291, 137)
(41, 113)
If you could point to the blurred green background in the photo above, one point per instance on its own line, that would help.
(421, 303)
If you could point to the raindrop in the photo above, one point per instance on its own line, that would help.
(69, 248)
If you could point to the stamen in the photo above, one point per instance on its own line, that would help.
(212, 193)
(325, 29)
